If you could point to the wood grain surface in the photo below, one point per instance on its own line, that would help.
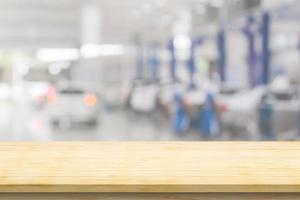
(150, 167)
(149, 196)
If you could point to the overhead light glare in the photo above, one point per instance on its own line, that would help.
(182, 41)
(57, 54)
(95, 50)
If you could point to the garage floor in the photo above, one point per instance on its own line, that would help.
(24, 123)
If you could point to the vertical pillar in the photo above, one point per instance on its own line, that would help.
(90, 24)
(89, 70)
(191, 62)
(153, 62)
(173, 61)
(192, 65)
(265, 33)
(139, 62)
(221, 44)
(252, 57)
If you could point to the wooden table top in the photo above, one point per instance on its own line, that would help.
(150, 167)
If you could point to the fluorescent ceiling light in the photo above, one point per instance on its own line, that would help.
(94, 50)
(58, 54)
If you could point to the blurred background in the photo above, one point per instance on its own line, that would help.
(149, 70)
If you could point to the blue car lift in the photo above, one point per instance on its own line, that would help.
(258, 76)
(222, 61)
(179, 119)
(207, 123)
(191, 64)
(266, 53)
(153, 62)
(250, 34)
(139, 63)
(173, 61)
(209, 126)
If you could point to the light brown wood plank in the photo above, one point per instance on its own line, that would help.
(150, 167)
(152, 196)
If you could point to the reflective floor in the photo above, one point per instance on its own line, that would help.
(20, 122)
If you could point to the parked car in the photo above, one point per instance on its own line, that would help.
(239, 111)
(240, 114)
(73, 104)
(143, 97)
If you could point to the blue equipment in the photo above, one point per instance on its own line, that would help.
(265, 119)
(265, 34)
(209, 123)
(222, 61)
(139, 64)
(179, 120)
(191, 64)
(173, 61)
(153, 63)
(250, 34)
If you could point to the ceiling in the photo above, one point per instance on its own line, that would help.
(30, 23)
(57, 23)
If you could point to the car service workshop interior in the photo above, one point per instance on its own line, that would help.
(149, 70)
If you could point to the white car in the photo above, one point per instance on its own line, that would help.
(240, 111)
(143, 98)
(73, 105)
(240, 115)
